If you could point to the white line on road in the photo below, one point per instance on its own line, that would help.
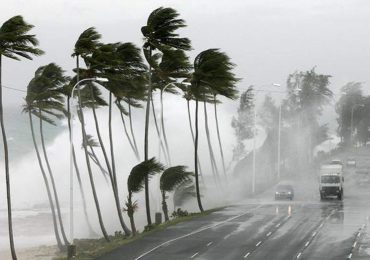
(227, 236)
(307, 243)
(278, 225)
(194, 255)
(354, 244)
(258, 243)
(210, 243)
(314, 233)
(268, 234)
(321, 225)
(349, 256)
(299, 255)
(247, 254)
(196, 232)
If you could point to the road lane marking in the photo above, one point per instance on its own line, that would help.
(227, 236)
(210, 243)
(194, 255)
(247, 254)
(258, 243)
(278, 225)
(268, 234)
(299, 255)
(196, 232)
(349, 256)
(314, 234)
(307, 243)
(354, 244)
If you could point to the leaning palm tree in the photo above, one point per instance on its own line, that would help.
(170, 179)
(174, 67)
(211, 69)
(15, 42)
(32, 95)
(159, 34)
(49, 101)
(136, 182)
(84, 47)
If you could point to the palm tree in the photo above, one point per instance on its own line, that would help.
(14, 43)
(211, 70)
(170, 179)
(84, 47)
(136, 182)
(67, 92)
(32, 95)
(49, 101)
(159, 34)
(174, 66)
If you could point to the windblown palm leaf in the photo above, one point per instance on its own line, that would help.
(173, 177)
(159, 31)
(135, 182)
(14, 40)
(87, 42)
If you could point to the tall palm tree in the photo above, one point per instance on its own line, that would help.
(174, 67)
(32, 95)
(15, 42)
(211, 69)
(228, 91)
(170, 179)
(183, 192)
(49, 101)
(136, 183)
(159, 34)
(84, 47)
(67, 92)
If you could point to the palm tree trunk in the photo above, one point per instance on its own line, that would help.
(219, 138)
(118, 204)
(165, 153)
(164, 130)
(164, 206)
(97, 162)
(77, 170)
(129, 138)
(130, 213)
(196, 157)
(211, 154)
(146, 144)
(51, 203)
(7, 175)
(84, 138)
(132, 131)
(192, 136)
(53, 186)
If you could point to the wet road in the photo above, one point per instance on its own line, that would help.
(262, 228)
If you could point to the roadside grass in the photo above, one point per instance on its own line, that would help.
(91, 248)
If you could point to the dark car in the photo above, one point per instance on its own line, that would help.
(284, 191)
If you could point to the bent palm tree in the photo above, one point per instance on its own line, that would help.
(136, 183)
(84, 47)
(211, 69)
(183, 192)
(49, 100)
(30, 108)
(159, 34)
(15, 42)
(170, 179)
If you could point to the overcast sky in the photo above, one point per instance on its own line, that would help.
(266, 39)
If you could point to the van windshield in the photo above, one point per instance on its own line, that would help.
(330, 179)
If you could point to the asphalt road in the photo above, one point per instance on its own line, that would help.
(261, 228)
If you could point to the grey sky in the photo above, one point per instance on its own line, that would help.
(267, 39)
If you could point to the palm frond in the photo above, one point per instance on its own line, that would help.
(145, 169)
(173, 177)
